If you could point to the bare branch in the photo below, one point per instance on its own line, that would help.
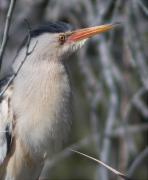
(6, 30)
(143, 7)
(135, 48)
(66, 153)
(119, 70)
(112, 104)
(103, 164)
(131, 130)
(20, 66)
(134, 100)
(138, 162)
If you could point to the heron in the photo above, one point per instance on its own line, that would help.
(35, 108)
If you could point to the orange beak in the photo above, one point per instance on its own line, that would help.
(85, 33)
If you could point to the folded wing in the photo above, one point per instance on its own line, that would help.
(6, 119)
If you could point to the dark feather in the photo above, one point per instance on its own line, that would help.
(3, 82)
(8, 137)
(50, 27)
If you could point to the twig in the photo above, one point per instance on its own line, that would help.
(112, 104)
(66, 153)
(21, 64)
(105, 58)
(103, 164)
(138, 161)
(120, 131)
(137, 101)
(93, 93)
(133, 101)
(6, 30)
(128, 130)
(136, 47)
(143, 7)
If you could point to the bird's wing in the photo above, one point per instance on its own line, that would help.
(6, 118)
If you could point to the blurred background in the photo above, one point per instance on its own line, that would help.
(109, 78)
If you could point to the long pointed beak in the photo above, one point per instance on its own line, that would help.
(89, 32)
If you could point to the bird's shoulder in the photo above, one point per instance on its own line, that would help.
(6, 117)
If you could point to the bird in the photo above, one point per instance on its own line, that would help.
(35, 108)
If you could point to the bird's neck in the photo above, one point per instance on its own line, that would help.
(41, 101)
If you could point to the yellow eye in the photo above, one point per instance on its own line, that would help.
(62, 38)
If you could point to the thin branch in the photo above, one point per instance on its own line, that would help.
(105, 58)
(66, 153)
(131, 130)
(103, 164)
(93, 92)
(6, 30)
(84, 142)
(112, 104)
(21, 64)
(133, 101)
(136, 47)
(143, 6)
(127, 112)
(141, 106)
(138, 161)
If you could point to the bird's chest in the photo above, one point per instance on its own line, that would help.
(41, 103)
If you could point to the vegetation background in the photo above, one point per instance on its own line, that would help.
(110, 84)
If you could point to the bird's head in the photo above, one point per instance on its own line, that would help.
(57, 39)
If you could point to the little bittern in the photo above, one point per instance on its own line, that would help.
(34, 111)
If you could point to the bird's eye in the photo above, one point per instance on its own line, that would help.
(62, 38)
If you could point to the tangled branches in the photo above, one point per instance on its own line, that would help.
(111, 78)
